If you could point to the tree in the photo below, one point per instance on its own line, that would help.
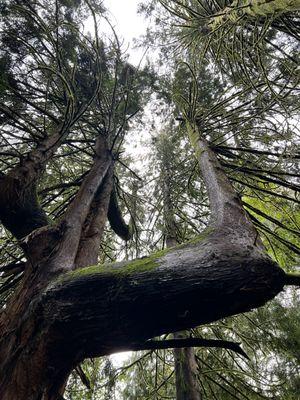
(67, 100)
(270, 337)
(186, 371)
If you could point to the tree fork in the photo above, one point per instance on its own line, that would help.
(97, 310)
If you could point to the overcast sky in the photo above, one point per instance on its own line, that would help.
(128, 24)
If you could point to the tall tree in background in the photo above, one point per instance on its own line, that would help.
(258, 105)
(66, 103)
(186, 371)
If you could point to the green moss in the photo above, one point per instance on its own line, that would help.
(144, 264)
(139, 265)
(255, 9)
(194, 138)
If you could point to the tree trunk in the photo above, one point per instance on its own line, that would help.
(101, 310)
(186, 369)
(186, 372)
(61, 315)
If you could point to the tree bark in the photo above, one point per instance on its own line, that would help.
(186, 372)
(93, 229)
(51, 250)
(61, 315)
(186, 369)
(98, 311)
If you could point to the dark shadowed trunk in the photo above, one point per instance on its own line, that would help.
(62, 314)
(186, 372)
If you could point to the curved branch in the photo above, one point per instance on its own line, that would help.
(190, 342)
(20, 210)
(226, 207)
(116, 219)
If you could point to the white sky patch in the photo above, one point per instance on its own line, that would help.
(119, 359)
(128, 25)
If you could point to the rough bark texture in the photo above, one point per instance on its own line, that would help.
(96, 312)
(186, 372)
(61, 315)
(51, 250)
(93, 229)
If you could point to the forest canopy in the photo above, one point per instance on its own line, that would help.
(149, 207)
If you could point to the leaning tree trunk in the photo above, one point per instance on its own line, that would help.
(61, 315)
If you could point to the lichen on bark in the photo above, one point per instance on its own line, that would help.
(240, 9)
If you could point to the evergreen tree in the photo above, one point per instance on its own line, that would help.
(66, 102)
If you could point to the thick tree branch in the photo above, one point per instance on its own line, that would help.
(187, 286)
(33, 163)
(71, 225)
(98, 310)
(20, 210)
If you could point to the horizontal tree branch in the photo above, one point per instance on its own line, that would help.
(189, 342)
(292, 278)
(104, 308)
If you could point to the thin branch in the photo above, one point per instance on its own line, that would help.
(190, 342)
